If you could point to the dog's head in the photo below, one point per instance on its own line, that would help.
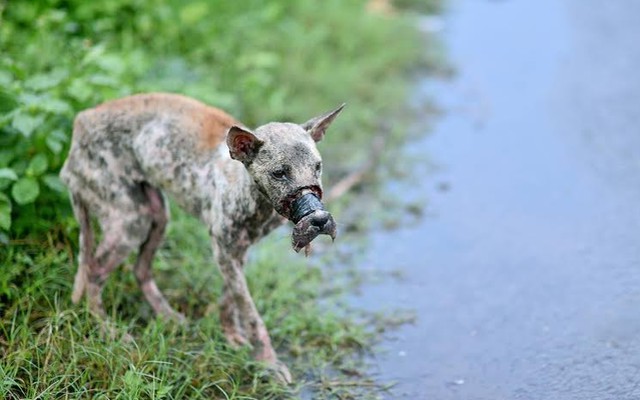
(286, 166)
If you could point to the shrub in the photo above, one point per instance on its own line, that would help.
(259, 61)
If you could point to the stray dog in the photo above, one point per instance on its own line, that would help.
(125, 154)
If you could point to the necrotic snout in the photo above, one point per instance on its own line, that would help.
(320, 219)
(311, 220)
(305, 205)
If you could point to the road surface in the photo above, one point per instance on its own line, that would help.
(524, 274)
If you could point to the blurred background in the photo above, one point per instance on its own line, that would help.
(523, 275)
(260, 61)
(490, 253)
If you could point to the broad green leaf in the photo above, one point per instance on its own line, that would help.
(53, 144)
(7, 155)
(5, 78)
(44, 102)
(103, 80)
(5, 212)
(55, 141)
(94, 53)
(30, 100)
(7, 176)
(25, 191)
(25, 123)
(53, 182)
(8, 173)
(7, 102)
(79, 90)
(54, 106)
(44, 81)
(60, 135)
(112, 64)
(38, 165)
(194, 12)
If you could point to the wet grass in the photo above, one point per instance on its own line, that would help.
(51, 348)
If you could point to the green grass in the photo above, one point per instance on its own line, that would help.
(291, 61)
(51, 348)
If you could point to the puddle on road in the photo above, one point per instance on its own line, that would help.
(524, 274)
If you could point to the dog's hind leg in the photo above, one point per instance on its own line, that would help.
(87, 243)
(112, 251)
(125, 221)
(142, 268)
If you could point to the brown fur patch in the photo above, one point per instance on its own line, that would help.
(209, 123)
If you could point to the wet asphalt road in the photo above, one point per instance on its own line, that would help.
(525, 274)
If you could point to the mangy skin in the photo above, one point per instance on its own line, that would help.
(126, 153)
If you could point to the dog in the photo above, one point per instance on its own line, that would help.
(126, 154)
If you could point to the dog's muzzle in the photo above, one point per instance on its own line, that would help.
(311, 220)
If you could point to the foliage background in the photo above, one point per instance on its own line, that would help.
(260, 61)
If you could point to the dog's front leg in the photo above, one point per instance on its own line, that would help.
(239, 316)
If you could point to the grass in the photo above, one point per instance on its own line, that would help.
(291, 63)
(51, 348)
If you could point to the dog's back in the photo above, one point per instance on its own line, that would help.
(166, 140)
(128, 115)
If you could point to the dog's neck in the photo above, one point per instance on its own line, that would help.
(241, 202)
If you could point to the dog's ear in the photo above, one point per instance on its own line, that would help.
(243, 145)
(317, 126)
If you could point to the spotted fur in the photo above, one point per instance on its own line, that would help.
(128, 153)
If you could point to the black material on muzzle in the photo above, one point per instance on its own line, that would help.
(305, 205)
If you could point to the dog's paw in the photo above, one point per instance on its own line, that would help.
(280, 373)
(234, 338)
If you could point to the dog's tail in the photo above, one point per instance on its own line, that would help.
(86, 249)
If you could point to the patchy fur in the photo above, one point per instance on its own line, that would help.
(127, 153)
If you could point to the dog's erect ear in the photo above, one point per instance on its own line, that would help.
(317, 126)
(243, 145)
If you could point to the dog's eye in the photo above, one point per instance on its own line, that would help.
(318, 167)
(279, 174)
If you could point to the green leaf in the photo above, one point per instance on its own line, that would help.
(44, 81)
(8, 173)
(54, 106)
(79, 90)
(103, 80)
(44, 102)
(112, 64)
(38, 165)
(25, 191)
(5, 212)
(7, 176)
(94, 53)
(5, 78)
(54, 183)
(53, 144)
(194, 12)
(7, 155)
(7, 102)
(26, 124)
(55, 141)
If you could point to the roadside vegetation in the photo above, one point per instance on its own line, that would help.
(260, 61)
